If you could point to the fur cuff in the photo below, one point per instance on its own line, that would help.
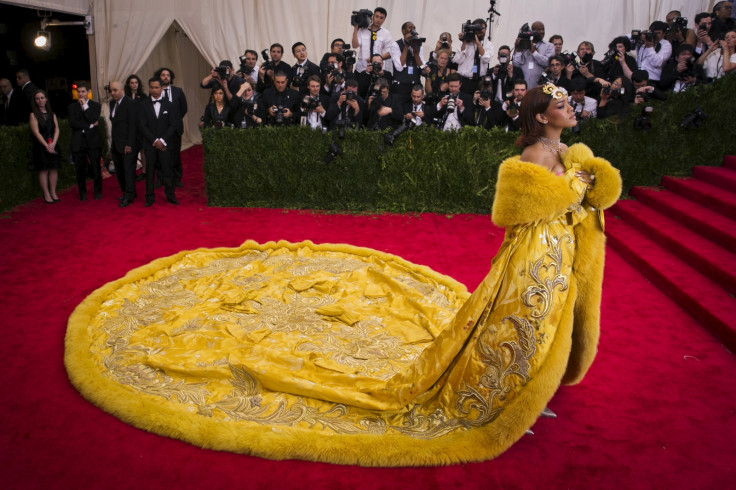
(607, 188)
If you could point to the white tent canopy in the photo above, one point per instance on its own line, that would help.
(129, 32)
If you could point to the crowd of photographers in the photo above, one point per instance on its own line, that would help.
(378, 83)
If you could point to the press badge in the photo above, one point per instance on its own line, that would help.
(411, 70)
(475, 69)
(531, 65)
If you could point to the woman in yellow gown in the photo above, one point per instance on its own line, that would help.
(347, 355)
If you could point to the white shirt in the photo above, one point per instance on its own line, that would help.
(589, 104)
(533, 64)
(395, 52)
(652, 61)
(465, 59)
(380, 46)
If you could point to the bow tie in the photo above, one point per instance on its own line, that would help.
(157, 101)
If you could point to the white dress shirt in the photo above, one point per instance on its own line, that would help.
(652, 61)
(395, 52)
(465, 59)
(363, 50)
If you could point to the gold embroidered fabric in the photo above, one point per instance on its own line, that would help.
(324, 351)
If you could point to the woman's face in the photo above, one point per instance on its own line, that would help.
(616, 84)
(731, 39)
(133, 84)
(442, 60)
(218, 95)
(560, 114)
(40, 99)
(248, 91)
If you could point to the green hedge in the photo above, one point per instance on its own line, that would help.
(19, 183)
(429, 170)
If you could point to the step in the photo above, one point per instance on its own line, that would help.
(729, 161)
(700, 297)
(714, 262)
(709, 224)
(717, 199)
(725, 178)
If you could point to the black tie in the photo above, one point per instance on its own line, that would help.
(166, 93)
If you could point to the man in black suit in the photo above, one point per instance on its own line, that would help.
(176, 96)
(504, 74)
(86, 143)
(416, 111)
(13, 105)
(384, 108)
(346, 108)
(279, 96)
(302, 69)
(158, 124)
(268, 70)
(28, 88)
(125, 146)
(455, 110)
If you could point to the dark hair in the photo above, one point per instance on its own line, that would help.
(685, 47)
(718, 6)
(403, 26)
(83, 85)
(314, 78)
(227, 63)
(297, 44)
(129, 92)
(381, 82)
(480, 21)
(332, 44)
(417, 87)
(37, 110)
(679, 14)
(620, 40)
(557, 57)
(279, 74)
(556, 36)
(519, 81)
(534, 102)
(340, 58)
(277, 45)
(640, 76)
(155, 78)
(381, 10)
(588, 43)
(161, 70)
(701, 16)
(23, 72)
(252, 51)
(658, 25)
(215, 88)
(454, 77)
(504, 47)
(577, 84)
(351, 82)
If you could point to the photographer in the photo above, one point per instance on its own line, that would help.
(223, 75)
(702, 39)
(588, 69)
(335, 78)
(720, 58)
(436, 81)
(556, 73)
(584, 107)
(643, 91)
(556, 41)
(455, 110)
(302, 69)
(682, 72)
(474, 56)
(654, 52)
(384, 109)
(244, 107)
(483, 104)
(504, 74)
(217, 112)
(677, 31)
(615, 99)
(336, 47)
(444, 43)
(312, 110)
(279, 103)
(346, 108)
(270, 67)
(416, 110)
(371, 39)
(373, 72)
(506, 115)
(617, 62)
(408, 59)
(531, 53)
(249, 66)
(722, 20)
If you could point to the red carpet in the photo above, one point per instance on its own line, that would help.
(657, 410)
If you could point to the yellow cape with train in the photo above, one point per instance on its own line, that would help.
(349, 355)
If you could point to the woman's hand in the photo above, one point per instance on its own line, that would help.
(585, 177)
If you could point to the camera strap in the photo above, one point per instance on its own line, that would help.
(374, 37)
(476, 64)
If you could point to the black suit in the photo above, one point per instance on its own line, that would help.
(393, 120)
(428, 109)
(309, 70)
(465, 118)
(179, 100)
(166, 126)
(125, 135)
(86, 144)
(288, 99)
(344, 113)
(17, 111)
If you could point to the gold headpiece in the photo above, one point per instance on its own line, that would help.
(554, 91)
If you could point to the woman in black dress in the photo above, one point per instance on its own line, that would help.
(217, 112)
(45, 136)
(134, 89)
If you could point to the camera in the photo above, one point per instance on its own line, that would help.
(267, 63)
(451, 102)
(689, 70)
(377, 67)
(415, 40)
(525, 37)
(444, 43)
(244, 69)
(610, 56)
(249, 107)
(543, 78)
(678, 25)
(613, 92)
(361, 18)
(578, 117)
(333, 152)
(349, 55)
(350, 94)
(645, 95)
(693, 119)
(309, 103)
(703, 26)
(486, 90)
(512, 105)
(337, 77)
(223, 71)
(279, 110)
(389, 138)
(642, 123)
(471, 32)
